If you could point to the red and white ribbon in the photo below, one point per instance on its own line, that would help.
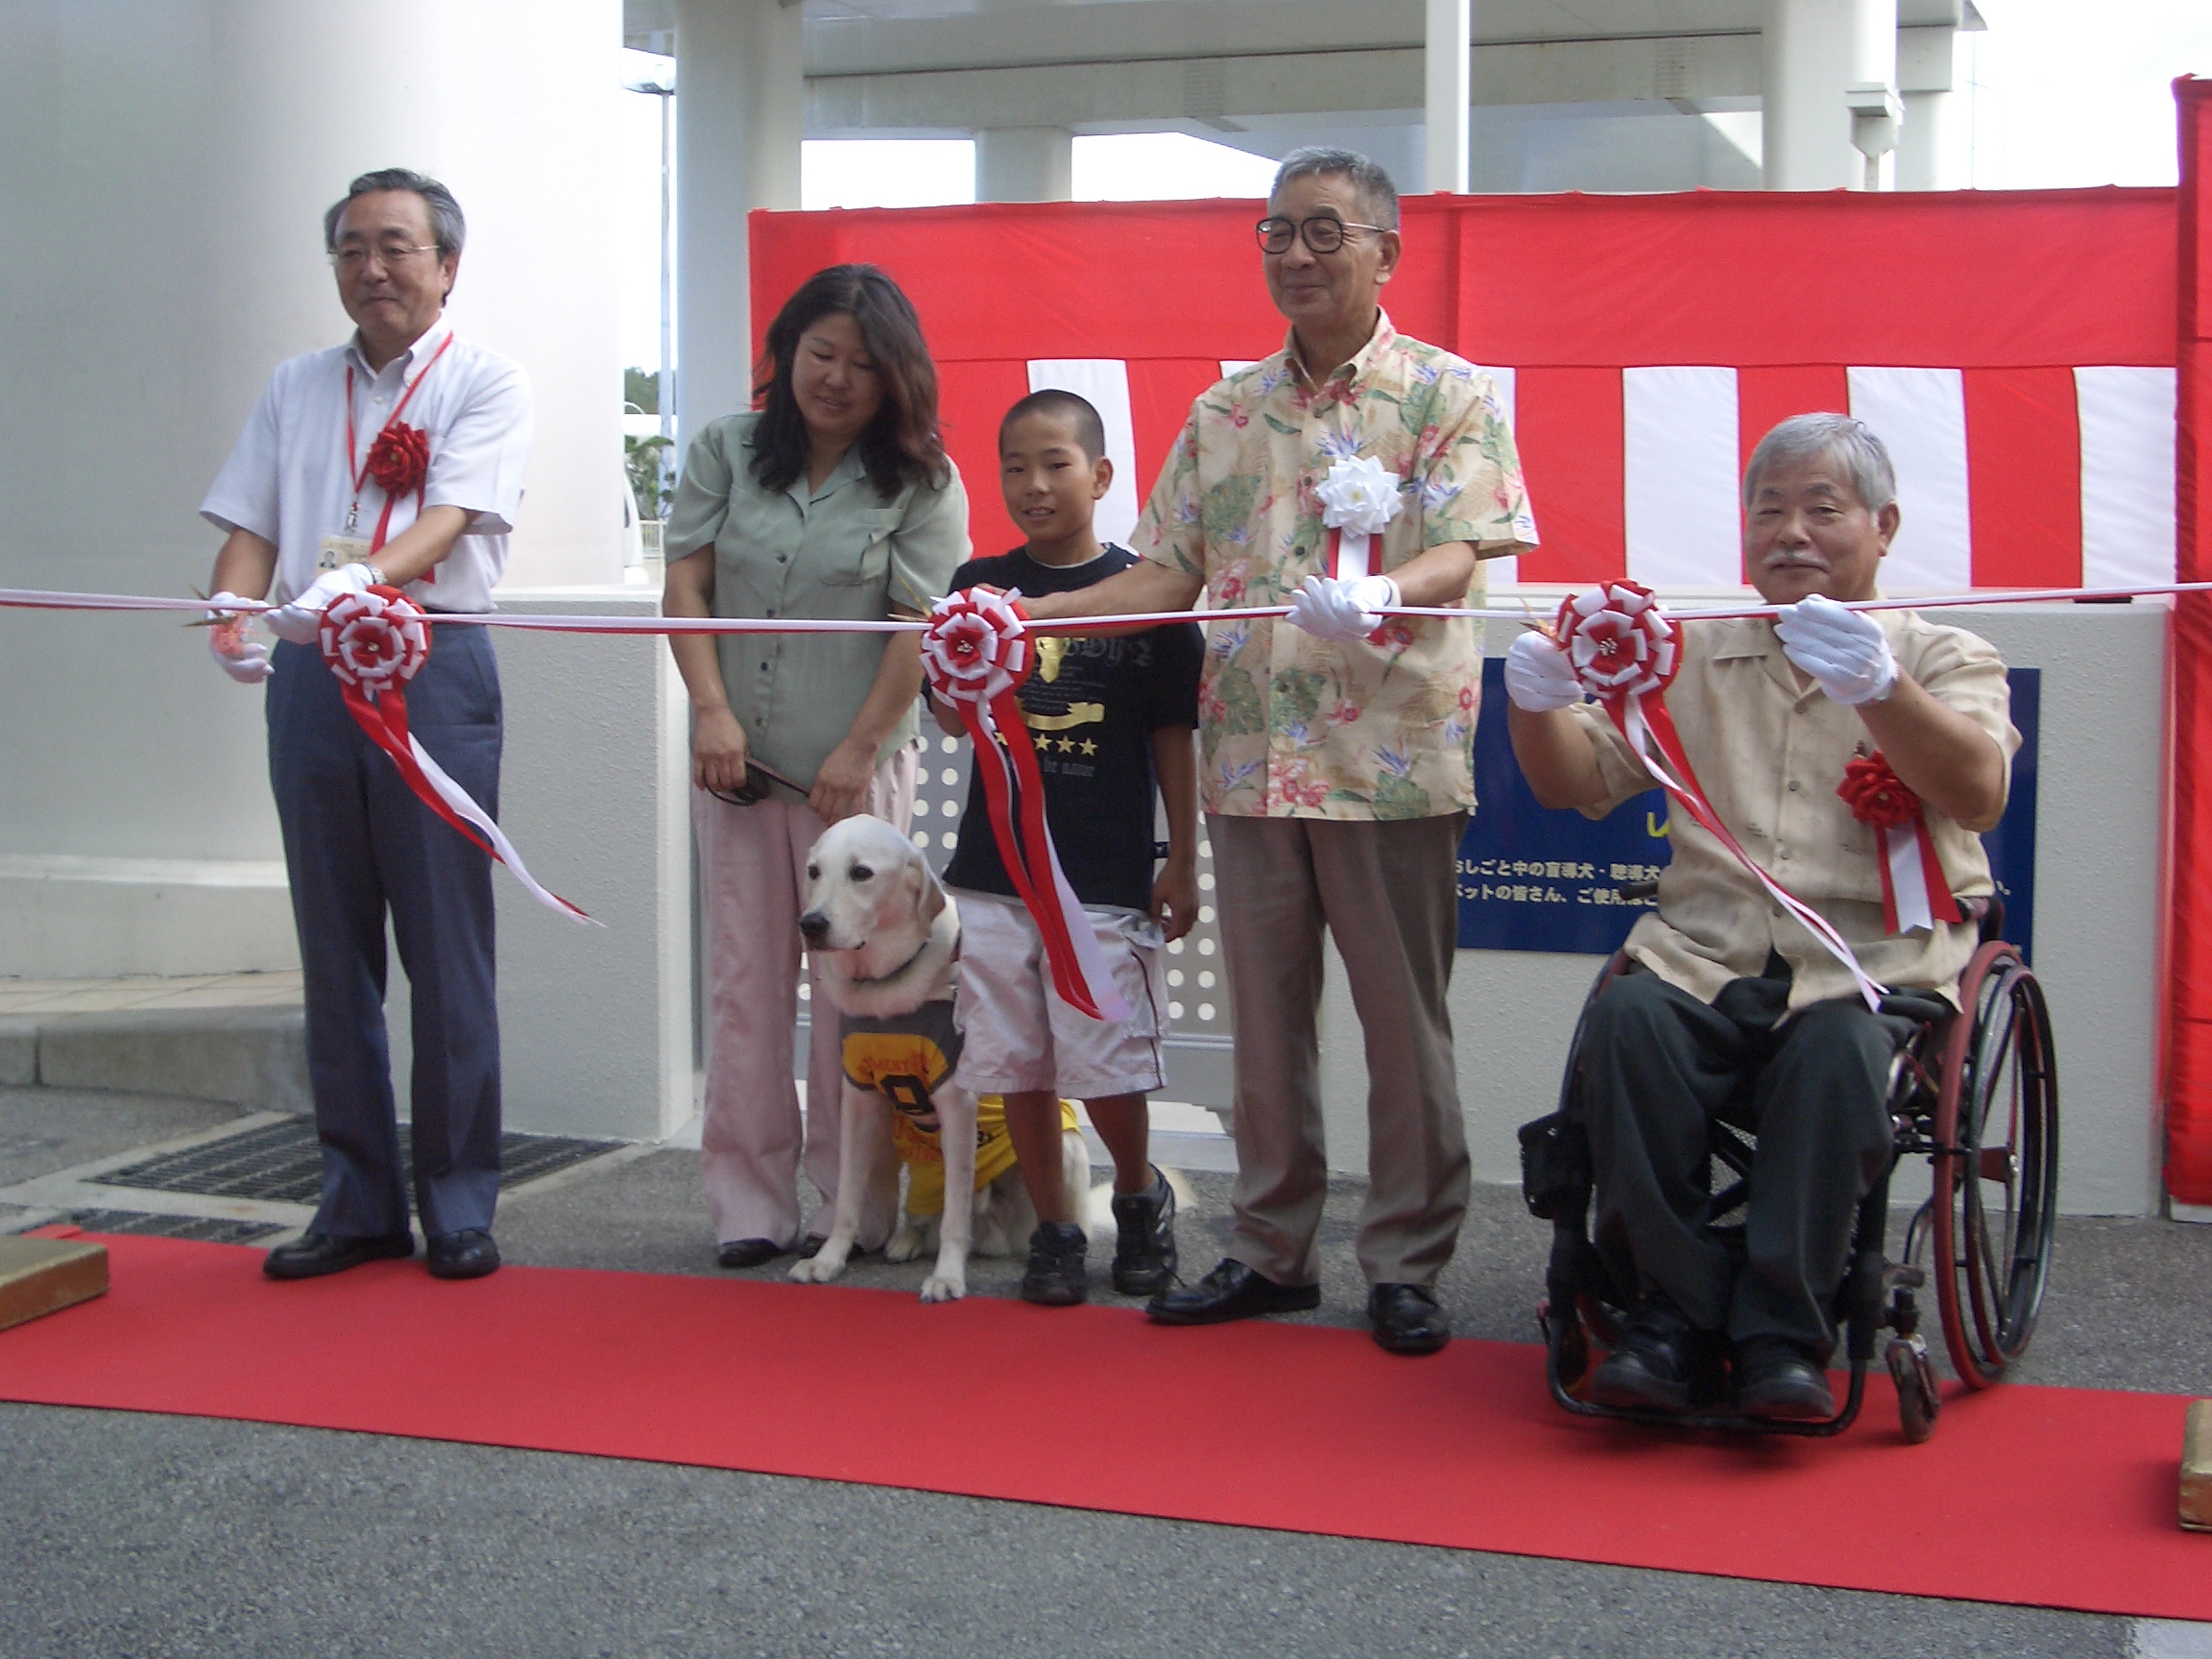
(1626, 651)
(1915, 893)
(375, 641)
(977, 653)
(1358, 499)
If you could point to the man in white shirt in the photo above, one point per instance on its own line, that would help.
(398, 458)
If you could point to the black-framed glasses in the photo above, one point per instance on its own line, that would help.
(757, 778)
(350, 260)
(1324, 232)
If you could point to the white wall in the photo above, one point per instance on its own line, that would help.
(2097, 928)
(167, 166)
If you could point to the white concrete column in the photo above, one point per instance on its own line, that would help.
(740, 110)
(178, 170)
(1814, 50)
(1024, 164)
(1931, 152)
(1448, 62)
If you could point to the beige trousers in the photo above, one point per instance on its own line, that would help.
(752, 883)
(1387, 894)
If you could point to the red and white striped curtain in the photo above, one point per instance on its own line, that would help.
(2016, 350)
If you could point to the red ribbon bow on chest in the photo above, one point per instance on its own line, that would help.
(1914, 892)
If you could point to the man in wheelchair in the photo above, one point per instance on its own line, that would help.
(1730, 1008)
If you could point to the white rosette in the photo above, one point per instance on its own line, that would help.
(1358, 499)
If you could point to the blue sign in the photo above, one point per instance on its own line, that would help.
(1535, 879)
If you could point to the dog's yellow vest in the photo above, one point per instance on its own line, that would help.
(902, 1058)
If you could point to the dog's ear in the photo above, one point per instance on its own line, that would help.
(929, 902)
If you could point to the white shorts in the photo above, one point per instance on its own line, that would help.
(1020, 1036)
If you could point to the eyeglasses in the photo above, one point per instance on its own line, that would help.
(757, 778)
(350, 260)
(1324, 234)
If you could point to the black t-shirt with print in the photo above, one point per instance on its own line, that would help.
(1092, 706)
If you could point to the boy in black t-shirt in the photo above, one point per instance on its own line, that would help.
(1110, 717)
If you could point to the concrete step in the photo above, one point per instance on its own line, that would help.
(242, 1056)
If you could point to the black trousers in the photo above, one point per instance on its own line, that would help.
(360, 848)
(1658, 1067)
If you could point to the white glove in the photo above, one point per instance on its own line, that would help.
(244, 659)
(1538, 675)
(303, 619)
(1844, 650)
(1342, 608)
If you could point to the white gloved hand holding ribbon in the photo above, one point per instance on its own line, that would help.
(1342, 608)
(1539, 676)
(244, 659)
(1844, 650)
(301, 621)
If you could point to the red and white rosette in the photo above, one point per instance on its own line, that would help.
(375, 641)
(976, 654)
(1915, 893)
(1627, 650)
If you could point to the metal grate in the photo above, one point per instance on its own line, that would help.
(282, 1163)
(196, 1227)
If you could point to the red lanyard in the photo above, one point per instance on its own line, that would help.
(361, 477)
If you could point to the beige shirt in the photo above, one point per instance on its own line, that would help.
(1291, 726)
(1769, 755)
(842, 553)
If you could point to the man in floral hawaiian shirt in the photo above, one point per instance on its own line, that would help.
(1338, 769)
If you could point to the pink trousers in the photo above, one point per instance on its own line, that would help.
(752, 883)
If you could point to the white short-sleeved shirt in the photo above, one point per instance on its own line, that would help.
(290, 480)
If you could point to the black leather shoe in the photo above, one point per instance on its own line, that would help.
(1661, 1363)
(752, 1252)
(1406, 1319)
(1145, 1240)
(1231, 1292)
(1056, 1276)
(1778, 1380)
(312, 1255)
(468, 1254)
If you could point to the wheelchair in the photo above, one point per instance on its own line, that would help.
(1974, 1089)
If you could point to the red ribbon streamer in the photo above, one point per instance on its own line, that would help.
(375, 641)
(977, 654)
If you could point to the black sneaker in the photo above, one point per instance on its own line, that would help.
(1056, 1277)
(1145, 1240)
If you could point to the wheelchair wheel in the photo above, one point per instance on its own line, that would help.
(1918, 1402)
(1996, 1135)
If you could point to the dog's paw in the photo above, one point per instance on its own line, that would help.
(818, 1268)
(906, 1245)
(943, 1286)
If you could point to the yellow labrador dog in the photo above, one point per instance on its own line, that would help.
(886, 938)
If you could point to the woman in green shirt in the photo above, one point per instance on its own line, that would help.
(835, 500)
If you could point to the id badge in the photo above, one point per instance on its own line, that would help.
(341, 550)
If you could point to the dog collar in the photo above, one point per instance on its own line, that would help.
(881, 978)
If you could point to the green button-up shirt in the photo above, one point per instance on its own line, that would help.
(842, 553)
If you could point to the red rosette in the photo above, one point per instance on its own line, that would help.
(399, 459)
(977, 646)
(375, 640)
(1875, 795)
(1621, 641)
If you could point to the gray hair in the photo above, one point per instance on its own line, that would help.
(1378, 196)
(446, 221)
(1809, 437)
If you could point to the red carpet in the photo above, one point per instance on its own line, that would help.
(2052, 1496)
